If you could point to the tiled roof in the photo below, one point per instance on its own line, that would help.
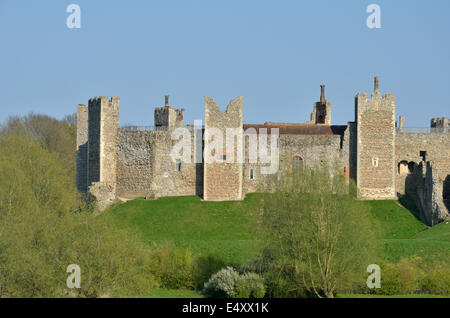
(301, 129)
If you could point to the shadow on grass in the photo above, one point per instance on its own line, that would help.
(408, 203)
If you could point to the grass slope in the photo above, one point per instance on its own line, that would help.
(405, 236)
(225, 230)
(219, 229)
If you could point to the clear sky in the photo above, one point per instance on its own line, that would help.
(274, 53)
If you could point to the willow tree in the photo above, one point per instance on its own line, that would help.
(321, 237)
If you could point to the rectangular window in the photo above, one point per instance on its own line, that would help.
(223, 157)
(251, 174)
(178, 163)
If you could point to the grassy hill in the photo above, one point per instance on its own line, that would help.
(404, 235)
(225, 230)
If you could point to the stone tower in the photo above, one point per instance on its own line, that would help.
(222, 176)
(82, 148)
(375, 145)
(169, 116)
(103, 126)
(322, 109)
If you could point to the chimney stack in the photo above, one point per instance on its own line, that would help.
(322, 94)
(167, 100)
(376, 84)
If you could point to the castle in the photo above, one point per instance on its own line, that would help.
(385, 158)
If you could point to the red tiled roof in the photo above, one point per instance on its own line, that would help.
(300, 129)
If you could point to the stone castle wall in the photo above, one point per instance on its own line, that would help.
(223, 181)
(134, 164)
(103, 124)
(167, 180)
(109, 128)
(82, 148)
(375, 120)
(94, 113)
(422, 168)
(385, 162)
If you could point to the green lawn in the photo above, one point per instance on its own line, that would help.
(404, 235)
(226, 231)
(220, 229)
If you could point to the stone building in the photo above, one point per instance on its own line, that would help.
(386, 159)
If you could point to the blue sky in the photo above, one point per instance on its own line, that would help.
(274, 53)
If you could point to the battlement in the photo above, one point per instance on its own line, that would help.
(440, 122)
(222, 180)
(375, 146)
(168, 116)
(376, 151)
(377, 101)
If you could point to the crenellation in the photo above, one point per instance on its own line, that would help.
(385, 160)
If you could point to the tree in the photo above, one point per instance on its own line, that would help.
(320, 236)
(55, 136)
(44, 228)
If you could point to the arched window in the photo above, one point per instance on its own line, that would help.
(297, 162)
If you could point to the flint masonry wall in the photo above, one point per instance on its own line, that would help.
(146, 167)
(423, 177)
(222, 181)
(102, 148)
(134, 165)
(408, 147)
(167, 180)
(94, 111)
(375, 120)
(311, 148)
(82, 148)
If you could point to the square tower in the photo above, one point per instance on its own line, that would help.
(168, 116)
(222, 177)
(375, 146)
(103, 126)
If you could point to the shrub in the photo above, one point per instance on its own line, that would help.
(222, 284)
(258, 265)
(173, 266)
(249, 285)
(204, 268)
(437, 280)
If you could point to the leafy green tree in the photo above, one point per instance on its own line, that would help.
(56, 136)
(321, 237)
(44, 227)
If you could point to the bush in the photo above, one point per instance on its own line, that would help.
(173, 267)
(258, 265)
(281, 281)
(437, 280)
(249, 285)
(222, 284)
(412, 276)
(227, 283)
(204, 268)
